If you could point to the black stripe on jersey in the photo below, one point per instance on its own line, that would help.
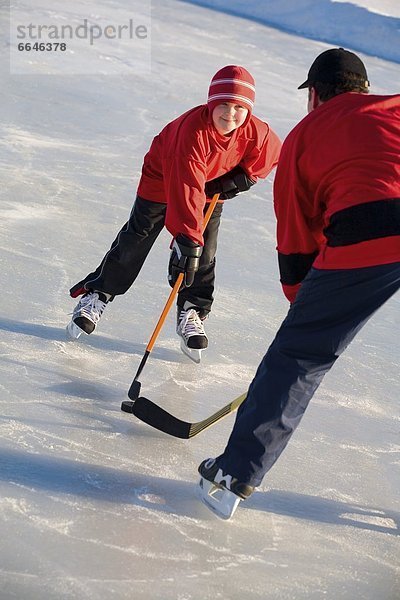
(363, 222)
(294, 267)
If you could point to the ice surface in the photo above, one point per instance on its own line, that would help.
(94, 504)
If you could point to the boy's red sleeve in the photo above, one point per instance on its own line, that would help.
(184, 181)
(263, 157)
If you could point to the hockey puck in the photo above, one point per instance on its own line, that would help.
(127, 406)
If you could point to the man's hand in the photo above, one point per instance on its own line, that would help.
(229, 185)
(185, 258)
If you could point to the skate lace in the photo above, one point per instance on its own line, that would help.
(90, 306)
(190, 323)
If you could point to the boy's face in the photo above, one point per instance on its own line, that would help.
(228, 116)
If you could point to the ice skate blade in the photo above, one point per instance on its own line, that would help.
(221, 501)
(73, 331)
(192, 353)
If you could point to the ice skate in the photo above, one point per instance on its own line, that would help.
(87, 314)
(219, 491)
(190, 328)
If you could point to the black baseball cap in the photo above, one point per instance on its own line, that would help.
(330, 66)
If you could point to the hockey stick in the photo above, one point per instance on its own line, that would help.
(134, 389)
(160, 419)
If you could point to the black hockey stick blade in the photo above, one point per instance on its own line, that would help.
(155, 416)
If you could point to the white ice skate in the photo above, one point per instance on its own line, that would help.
(218, 499)
(190, 328)
(220, 491)
(87, 314)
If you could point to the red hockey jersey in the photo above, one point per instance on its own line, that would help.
(188, 152)
(337, 188)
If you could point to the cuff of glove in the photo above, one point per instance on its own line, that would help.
(184, 246)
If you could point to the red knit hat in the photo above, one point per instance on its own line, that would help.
(232, 84)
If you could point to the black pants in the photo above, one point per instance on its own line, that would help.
(123, 262)
(330, 309)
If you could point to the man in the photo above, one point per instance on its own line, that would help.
(218, 147)
(337, 202)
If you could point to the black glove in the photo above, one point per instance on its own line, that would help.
(185, 258)
(229, 185)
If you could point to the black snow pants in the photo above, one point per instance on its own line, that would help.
(123, 262)
(330, 309)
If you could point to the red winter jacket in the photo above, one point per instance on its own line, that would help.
(337, 188)
(188, 152)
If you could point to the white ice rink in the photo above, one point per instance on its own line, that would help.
(95, 505)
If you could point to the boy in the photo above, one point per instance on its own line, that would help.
(219, 147)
